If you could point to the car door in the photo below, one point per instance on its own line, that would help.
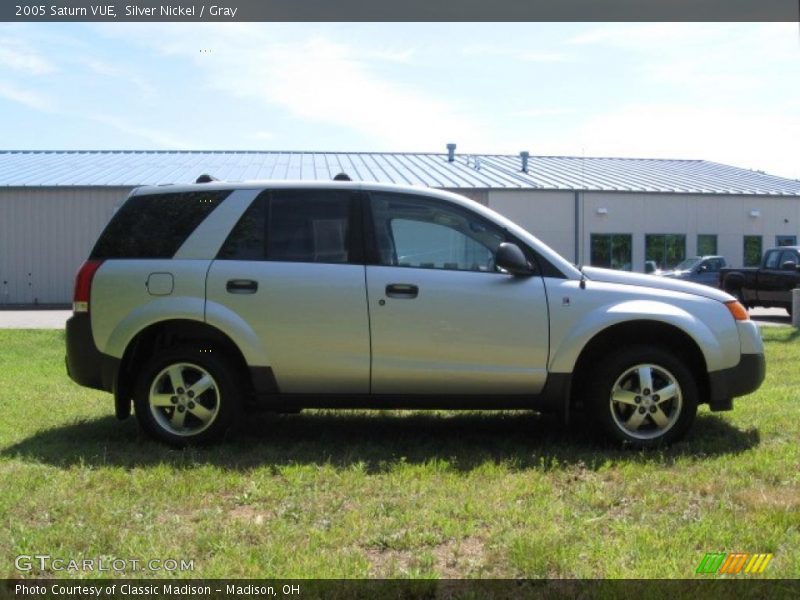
(707, 272)
(443, 319)
(292, 269)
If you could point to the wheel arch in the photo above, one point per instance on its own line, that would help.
(640, 331)
(163, 335)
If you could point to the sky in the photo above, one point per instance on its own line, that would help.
(724, 92)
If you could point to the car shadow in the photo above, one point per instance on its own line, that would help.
(375, 442)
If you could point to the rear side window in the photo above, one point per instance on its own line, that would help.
(314, 226)
(155, 225)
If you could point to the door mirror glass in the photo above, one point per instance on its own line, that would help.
(789, 265)
(510, 258)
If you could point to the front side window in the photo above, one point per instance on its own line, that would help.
(425, 233)
(788, 256)
(667, 250)
(612, 251)
(295, 226)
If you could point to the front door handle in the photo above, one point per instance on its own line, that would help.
(241, 286)
(401, 290)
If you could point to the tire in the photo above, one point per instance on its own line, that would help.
(185, 396)
(629, 410)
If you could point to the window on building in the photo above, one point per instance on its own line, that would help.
(612, 251)
(706, 244)
(667, 250)
(752, 250)
(785, 240)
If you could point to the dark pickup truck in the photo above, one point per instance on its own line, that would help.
(771, 284)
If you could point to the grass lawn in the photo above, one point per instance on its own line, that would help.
(391, 494)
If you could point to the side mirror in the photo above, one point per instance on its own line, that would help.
(511, 258)
(702, 268)
(789, 265)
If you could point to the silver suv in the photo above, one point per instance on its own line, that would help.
(200, 302)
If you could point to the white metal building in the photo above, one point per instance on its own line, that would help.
(613, 212)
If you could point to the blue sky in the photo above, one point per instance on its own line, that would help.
(723, 92)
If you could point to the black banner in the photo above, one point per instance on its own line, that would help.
(403, 10)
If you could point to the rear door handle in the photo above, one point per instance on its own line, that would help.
(241, 286)
(401, 290)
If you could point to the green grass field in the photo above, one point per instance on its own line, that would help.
(391, 494)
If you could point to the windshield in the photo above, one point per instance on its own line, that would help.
(688, 264)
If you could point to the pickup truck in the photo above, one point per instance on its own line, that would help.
(698, 269)
(768, 285)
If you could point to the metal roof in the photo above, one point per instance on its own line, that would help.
(20, 168)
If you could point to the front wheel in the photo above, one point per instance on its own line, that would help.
(644, 396)
(186, 396)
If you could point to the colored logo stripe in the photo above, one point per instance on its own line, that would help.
(733, 563)
(758, 563)
(711, 562)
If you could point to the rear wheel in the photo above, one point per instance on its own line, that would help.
(644, 396)
(186, 396)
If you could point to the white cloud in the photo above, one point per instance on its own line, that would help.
(485, 50)
(262, 135)
(106, 69)
(543, 112)
(544, 57)
(326, 82)
(749, 139)
(157, 137)
(658, 37)
(16, 55)
(27, 97)
(313, 79)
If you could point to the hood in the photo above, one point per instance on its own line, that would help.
(656, 282)
(673, 273)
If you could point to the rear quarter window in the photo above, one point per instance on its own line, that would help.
(155, 225)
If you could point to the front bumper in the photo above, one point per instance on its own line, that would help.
(744, 378)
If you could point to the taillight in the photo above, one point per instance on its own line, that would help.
(83, 285)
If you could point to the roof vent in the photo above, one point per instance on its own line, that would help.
(451, 152)
(342, 177)
(524, 155)
(205, 178)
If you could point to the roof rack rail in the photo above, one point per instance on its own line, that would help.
(206, 178)
(342, 177)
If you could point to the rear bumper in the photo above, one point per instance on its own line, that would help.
(744, 378)
(86, 365)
